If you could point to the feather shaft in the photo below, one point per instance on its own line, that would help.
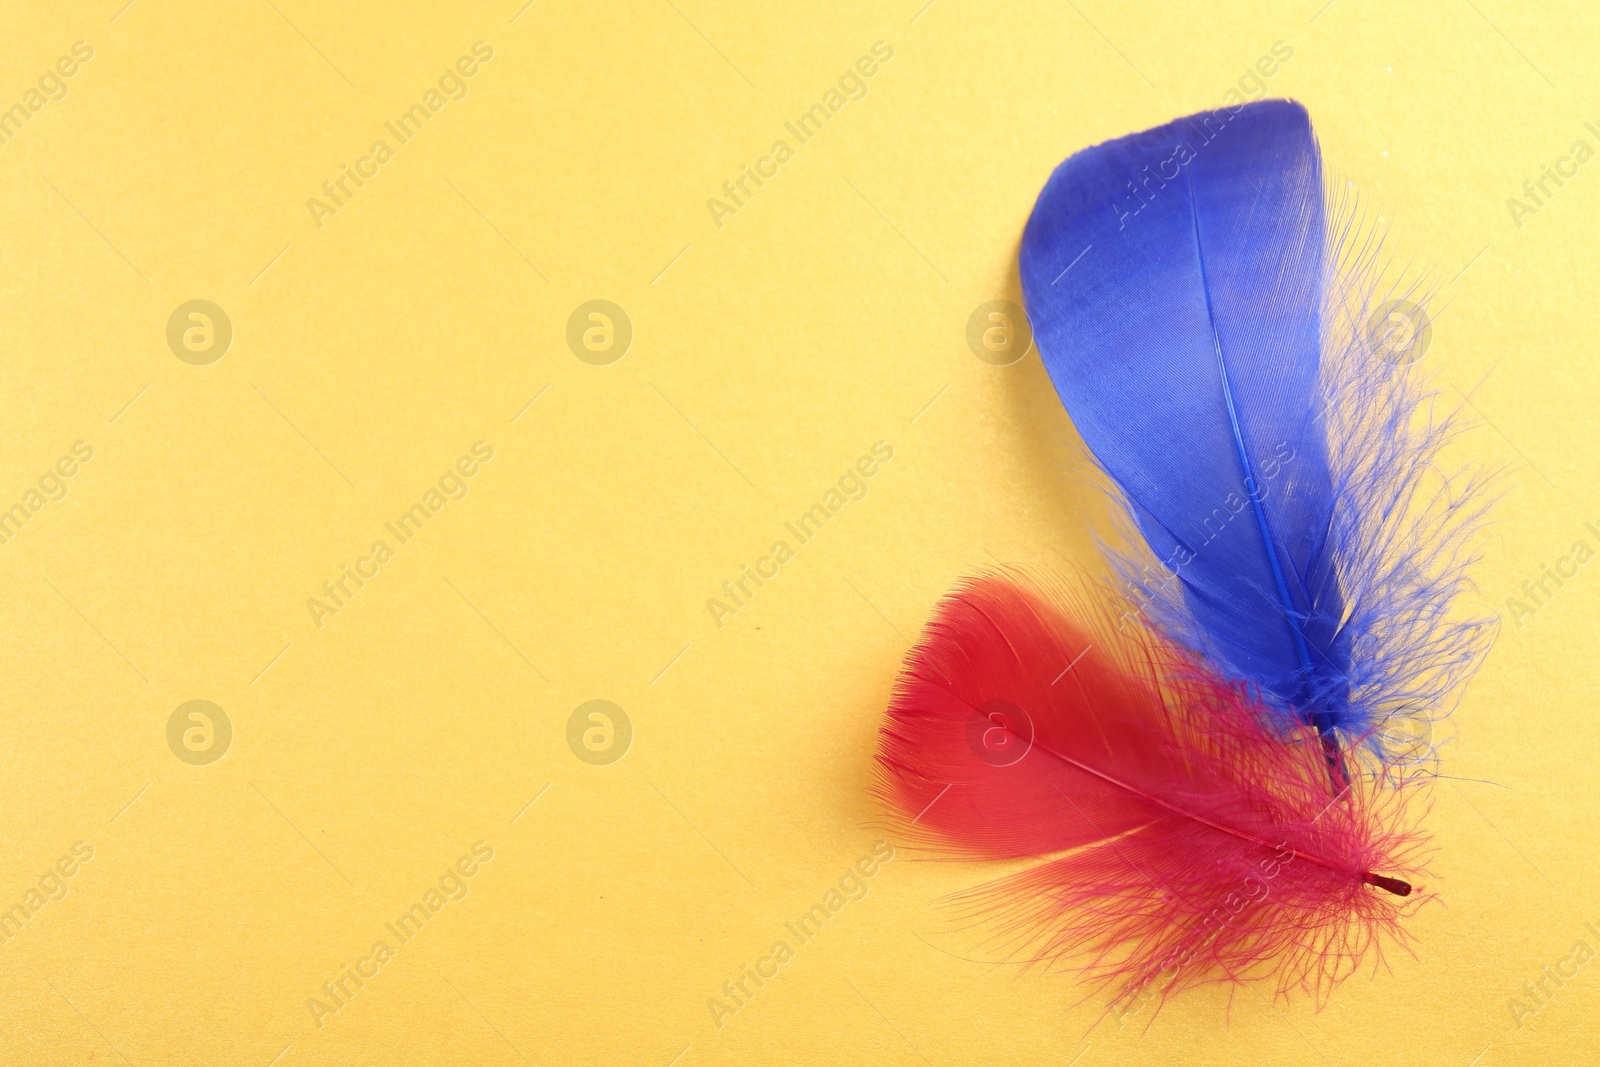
(1251, 485)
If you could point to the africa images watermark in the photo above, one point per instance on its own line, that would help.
(453, 484)
(51, 885)
(1253, 889)
(739, 991)
(451, 886)
(1252, 86)
(599, 732)
(1399, 332)
(1538, 192)
(1213, 524)
(852, 85)
(1537, 592)
(852, 485)
(452, 85)
(1538, 993)
(51, 87)
(53, 484)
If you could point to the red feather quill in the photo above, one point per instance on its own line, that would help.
(1189, 839)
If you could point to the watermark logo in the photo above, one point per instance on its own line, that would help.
(51, 885)
(999, 333)
(1000, 733)
(738, 191)
(453, 484)
(1539, 993)
(1537, 591)
(1538, 192)
(852, 485)
(339, 191)
(1399, 332)
(199, 332)
(1253, 889)
(51, 87)
(1407, 741)
(599, 332)
(599, 732)
(1199, 130)
(53, 484)
(740, 990)
(451, 886)
(199, 732)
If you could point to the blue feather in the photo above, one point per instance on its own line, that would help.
(1204, 330)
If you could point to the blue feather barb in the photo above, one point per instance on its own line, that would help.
(1207, 326)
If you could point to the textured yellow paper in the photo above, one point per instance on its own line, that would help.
(414, 356)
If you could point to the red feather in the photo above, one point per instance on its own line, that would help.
(1190, 840)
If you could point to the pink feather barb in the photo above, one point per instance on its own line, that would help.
(1187, 839)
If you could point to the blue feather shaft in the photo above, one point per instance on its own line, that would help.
(1250, 481)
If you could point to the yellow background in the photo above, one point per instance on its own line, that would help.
(829, 313)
